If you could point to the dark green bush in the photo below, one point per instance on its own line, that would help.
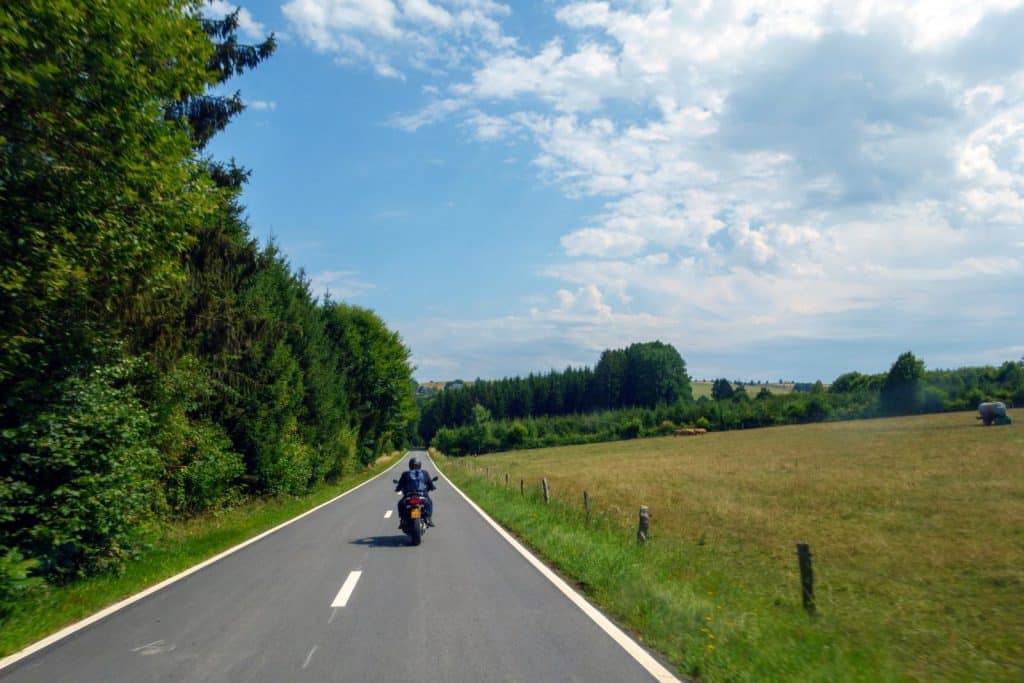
(14, 578)
(207, 474)
(630, 429)
(515, 436)
(87, 474)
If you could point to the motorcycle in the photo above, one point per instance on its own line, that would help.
(412, 522)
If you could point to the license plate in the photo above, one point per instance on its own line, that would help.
(414, 513)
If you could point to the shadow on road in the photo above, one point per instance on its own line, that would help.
(382, 541)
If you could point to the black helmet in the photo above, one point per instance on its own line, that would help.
(414, 463)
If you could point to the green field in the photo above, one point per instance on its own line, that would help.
(703, 388)
(916, 526)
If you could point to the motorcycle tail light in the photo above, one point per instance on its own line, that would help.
(414, 501)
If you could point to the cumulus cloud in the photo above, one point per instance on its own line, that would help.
(392, 36)
(602, 242)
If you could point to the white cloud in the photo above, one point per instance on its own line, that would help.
(585, 301)
(602, 242)
(390, 36)
(434, 112)
(570, 82)
(422, 11)
(261, 105)
(486, 127)
(992, 162)
(250, 28)
(340, 284)
(326, 23)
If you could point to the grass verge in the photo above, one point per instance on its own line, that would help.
(914, 524)
(703, 625)
(179, 546)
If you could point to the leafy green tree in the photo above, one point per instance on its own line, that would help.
(100, 197)
(721, 389)
(655, 373)
(901, 392)
(99, 192)
(480, 431)
(82, 474)
(846, 383)
(378, 377)
(515, 436)
(630, 429)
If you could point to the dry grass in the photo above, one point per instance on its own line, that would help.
(916, 525)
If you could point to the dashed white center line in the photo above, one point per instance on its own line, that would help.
(309, 656)
(341, 599)
(387, 515)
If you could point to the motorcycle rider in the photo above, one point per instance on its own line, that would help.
(416, 480)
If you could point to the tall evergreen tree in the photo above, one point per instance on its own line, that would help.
(208, 114)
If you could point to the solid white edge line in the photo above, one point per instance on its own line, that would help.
(107, 611)
(642, 656)
(341, 599)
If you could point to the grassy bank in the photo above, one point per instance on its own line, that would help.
(177, 547)
(915, 525)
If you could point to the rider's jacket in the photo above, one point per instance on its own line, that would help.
(415, 481)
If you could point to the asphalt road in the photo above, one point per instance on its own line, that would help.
(463, 606)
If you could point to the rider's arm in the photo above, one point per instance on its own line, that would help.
(430, 483)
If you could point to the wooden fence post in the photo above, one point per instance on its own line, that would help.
(586, 505)
(506, 480)
(803, 553)
(547, 491)
(522, 488)
(645, 525)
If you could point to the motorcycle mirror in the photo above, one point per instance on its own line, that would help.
(435, 478)
(394, 481)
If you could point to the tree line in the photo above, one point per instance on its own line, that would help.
(906, 389)
(640, 375)
(155, 360)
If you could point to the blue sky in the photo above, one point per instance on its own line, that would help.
(781, 190)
